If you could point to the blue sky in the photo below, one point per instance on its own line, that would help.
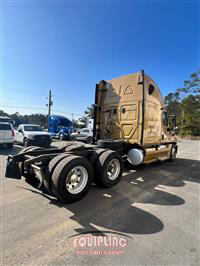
(69, 46)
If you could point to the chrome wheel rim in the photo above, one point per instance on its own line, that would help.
(113, 169)
(76, 179)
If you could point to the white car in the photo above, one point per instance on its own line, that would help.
(28, 135)
(6, 134)
(84, 134)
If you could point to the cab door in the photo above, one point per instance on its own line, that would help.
(129, 120)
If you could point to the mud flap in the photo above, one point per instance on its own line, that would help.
(13, 170)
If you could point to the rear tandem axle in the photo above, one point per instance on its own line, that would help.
(67, 173)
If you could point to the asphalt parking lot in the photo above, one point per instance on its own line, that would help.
(156, 207)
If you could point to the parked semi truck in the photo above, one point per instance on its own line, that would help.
(60, 127)
(130, 124)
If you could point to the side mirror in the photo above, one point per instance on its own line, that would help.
(78, 132)
(20, 130)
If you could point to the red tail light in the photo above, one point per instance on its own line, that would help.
(13, 133)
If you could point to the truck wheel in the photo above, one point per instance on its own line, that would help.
(72, 178)
(173, 153)
(48, 174)
(109, 168)
(93, 159)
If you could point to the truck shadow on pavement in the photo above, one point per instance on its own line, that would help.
(128, 206)
(125, 207)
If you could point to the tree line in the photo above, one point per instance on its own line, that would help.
(40, 119)
(18, 119)
(186, 108)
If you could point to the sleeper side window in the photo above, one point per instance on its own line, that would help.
(151, 89)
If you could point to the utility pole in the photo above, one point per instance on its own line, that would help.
(50, 103)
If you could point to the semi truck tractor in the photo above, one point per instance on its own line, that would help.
(60, 127)
(130, 125)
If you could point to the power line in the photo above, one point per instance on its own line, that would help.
(40, 108)
(22, 107)
(50, 103)
(22, 93)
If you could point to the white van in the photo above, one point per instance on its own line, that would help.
(6, 134)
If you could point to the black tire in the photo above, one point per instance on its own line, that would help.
(48, 174)
(93, 160)
(89, 140)
(173, 153)
(10, 145)
(60, 174)
(110, 144)
(101, 175)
